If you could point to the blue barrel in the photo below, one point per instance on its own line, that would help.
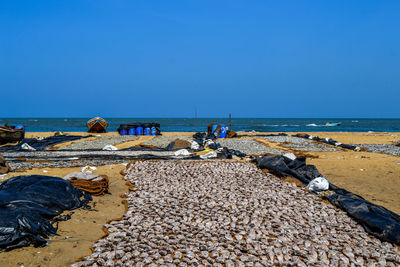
(214, 128)
(139, 130)
(147, 130)
(132, 131)
(153, 131)
(123, 132)
(223, 131)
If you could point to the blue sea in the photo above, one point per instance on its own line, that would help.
(191, 125)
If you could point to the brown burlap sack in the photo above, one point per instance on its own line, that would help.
(231, 134)
(180, 144)
(94, 184)
(95, 188)
(4, 168)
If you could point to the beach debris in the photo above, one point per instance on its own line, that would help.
(283, 167)
(209, 155)
(4, 167)
(25, 146)
(28, 205)
(58, 133)
(45, 171)
(179, 144)
(42, 144)
(182, 152)
(3, 176)
(110, 147)
(194, 145)
(88, 169)
(290, 156)
(40, 138)
(327, 140)
(318, 184)
(94, 184)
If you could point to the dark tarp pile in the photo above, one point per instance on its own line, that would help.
(223, 152)
(29, 205)
(282, 166)
(327, 141)
(4, 168)
(375, 219)
(179, 144)
(44, 143)
(96, 185)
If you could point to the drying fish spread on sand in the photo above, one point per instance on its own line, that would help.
(223, 212)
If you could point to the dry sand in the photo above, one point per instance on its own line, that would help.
(374, 176)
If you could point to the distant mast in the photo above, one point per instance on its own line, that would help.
(230, 121)
(195, 118)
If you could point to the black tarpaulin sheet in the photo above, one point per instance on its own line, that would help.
(375, 219)
(44, 143)
(283, 166)
(28, 204)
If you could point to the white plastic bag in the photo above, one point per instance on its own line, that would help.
(290, 156)
(25, 146)
(209, 155)
(182, 152)
(318, 184)
(88, 169)
(110, 147)
(195, 145)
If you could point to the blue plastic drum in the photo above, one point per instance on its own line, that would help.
(153, 131)
(223, 132)
(132, 131)
(139, 130)
(123, 132)
(147, 131)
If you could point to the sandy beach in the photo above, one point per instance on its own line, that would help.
(374, 176)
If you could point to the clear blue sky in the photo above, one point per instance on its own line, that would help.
(161, 58)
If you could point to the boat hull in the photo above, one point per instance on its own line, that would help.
(97, 125)
(11, 135)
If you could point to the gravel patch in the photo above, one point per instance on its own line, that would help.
(62, 164)
(382, 148)
(100, 142)
(164, 141)
(225, 212)
(249, 146)
(301, 144)
(39, 159)
(282, 139)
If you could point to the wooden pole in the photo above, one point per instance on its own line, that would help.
(195, 118)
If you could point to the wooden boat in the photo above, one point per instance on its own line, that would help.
(97, 125)
(10, 134)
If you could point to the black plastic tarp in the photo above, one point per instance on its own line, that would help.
(283, 166)
(375, 219)
(44, 143)
(326, 141)
(29, 205)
